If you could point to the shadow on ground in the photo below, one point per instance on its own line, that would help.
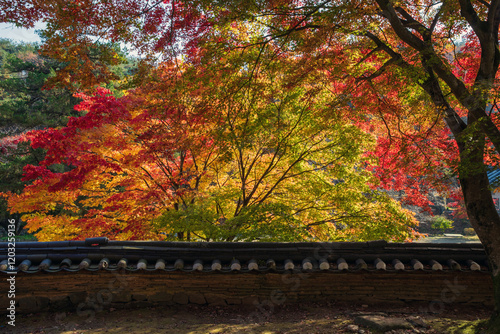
(293, 319)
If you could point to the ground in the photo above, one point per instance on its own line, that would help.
(293, 319)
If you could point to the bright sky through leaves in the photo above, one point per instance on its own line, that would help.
(8, 30)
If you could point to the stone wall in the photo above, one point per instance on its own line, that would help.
(89, 291)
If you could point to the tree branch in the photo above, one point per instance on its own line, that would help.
(430, 85)
(472, 102)
(467, 11)
(406, 36)
(412, 23)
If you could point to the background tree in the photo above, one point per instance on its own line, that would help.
(27, 104)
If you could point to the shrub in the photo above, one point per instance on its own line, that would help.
(441, 223)
(469, 231)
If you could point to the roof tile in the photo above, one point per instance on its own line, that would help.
(103, 254)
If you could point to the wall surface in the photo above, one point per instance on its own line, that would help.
(88, 291)
(93, 274)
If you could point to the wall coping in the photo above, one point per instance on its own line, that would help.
(102, 254)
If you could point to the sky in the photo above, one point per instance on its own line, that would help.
(8, 30)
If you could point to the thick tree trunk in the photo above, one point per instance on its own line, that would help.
(484, 218)
(494, 324)
(473, 178)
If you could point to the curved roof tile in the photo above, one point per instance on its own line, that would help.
(102, 254)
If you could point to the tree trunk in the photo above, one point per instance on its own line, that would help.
(494, 324)
(483, 216)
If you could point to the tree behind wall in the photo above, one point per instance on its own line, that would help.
(216, 163)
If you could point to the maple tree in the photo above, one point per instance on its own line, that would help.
(288, 169)
(114, 183)
(208, 163)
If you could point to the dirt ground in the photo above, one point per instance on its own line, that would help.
(294, 319)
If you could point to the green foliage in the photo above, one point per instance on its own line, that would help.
(24, 101)
(27, 102)
(25, 237)
(441, 223)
